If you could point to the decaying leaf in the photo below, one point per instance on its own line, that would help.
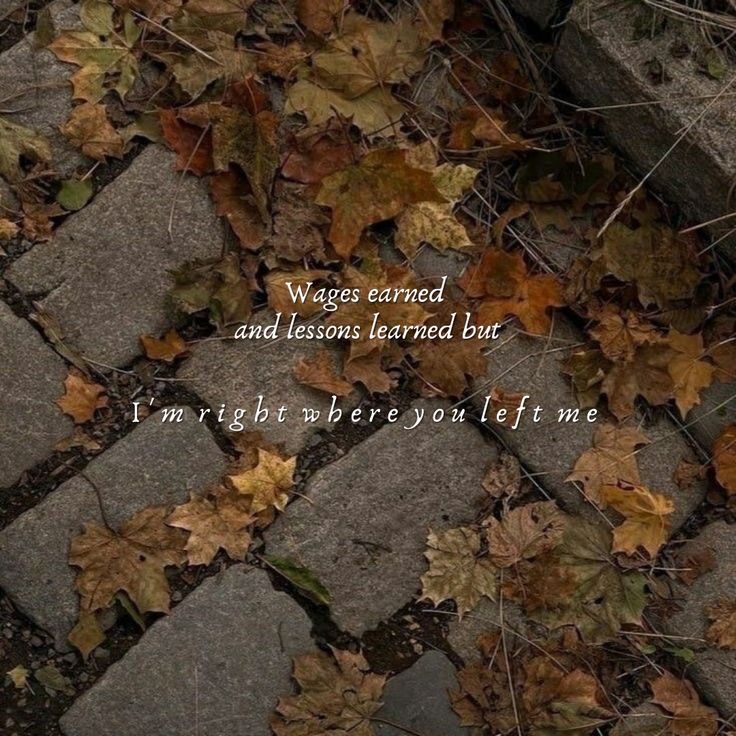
(301, 577)
(16, 143)
(689, 717)
(53, 680)
(132, 560)
(82, 397)
(456, 570)
(269, 483)
(89, 130)
(19, 677)
(690, 374)
(503, 478)
(621, 333)
(338, 694)
(318, 372)
(217, 521)
(612, 459)
(724, 458)
(647, 518)
(168, 348)
(722, 630)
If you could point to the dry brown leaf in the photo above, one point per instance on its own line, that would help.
(503, 478)
(647, 518)
(89, 130)
(680, 699)
(168, 348)
(132, 560)
(368, 370)
(8, 230)
(193, 146)
(269, 483)
(219, 521)
(87, 634)
(690, 375)
(279, 296)
(722, 630)
(524, 533)
(612, 459)
(318, 372)
(445, 365)
(19, 677)
(488, 127)
(82, 397)
(234, 200)
(456, 570)
(724, 458)
(320, 16)
(621, 333)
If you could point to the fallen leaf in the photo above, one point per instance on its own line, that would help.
(51, 678)
(234, 200)
(78, 438)
(82, 397)
(456, 570)
(620, 333)
(317, 152)
(168, 348)
(89, 130)
(217, 521)
(8, 230)
(18, 143)
(524, 533)
(483, 125)
(378, 188)
(611, 459)
(503, 478)
(193, 146)
(722, 630)
(431, 18)
(690, 374)
(338, 694)
(506, 287)
(724, 458)
(647, 518)
(19, 677)
(280, 61)
(318, 373)
(320, 16)
(444, 365)
(74, 194)
(689, 717)
(279, 296)
(693, 561)
(269, 483)
(301, 577)
(297, 224)
(132, 560)
(368, 370)
(87, 634)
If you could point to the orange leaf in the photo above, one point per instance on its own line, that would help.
(168, 348)
(82, 397)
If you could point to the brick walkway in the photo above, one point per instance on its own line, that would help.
(217, 664)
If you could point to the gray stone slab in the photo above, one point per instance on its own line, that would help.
(714, 670)
(105, 275)
(155, 464)
(418, 700)
(8, 6)
(717, 409)
(36, 84)
(605, 61)
(542, 12)
(363, 529)
(31, 380)
(527, 365)
(237, 372)
(215, 667)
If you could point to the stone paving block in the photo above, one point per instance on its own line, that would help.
(31, 380)
(717, 409)
(105, 275)
(418, 700)
(522, 364)
(236, 372)
(714, 670)
(155, 464)
(363, 529)
(36, 84)
(605, 61)
(215, 667)
(542, 12)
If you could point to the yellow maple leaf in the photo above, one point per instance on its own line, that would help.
(268, 483)
(690, 375)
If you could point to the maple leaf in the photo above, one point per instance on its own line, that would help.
(89, 130)
(16, 143)
(611, 459)
(488, 126)
(621, 333)
(279, 296)
(505, 285)
(338, 695)
(589, 591)
(297, 223)
(234, 200)
(724, 458)
(524, 533)
(100, 57)
(679, 698)
(193, 147)
(690, 375)
(82, 397)
(378, 188)
(431, 18)
(268, 483)
(722, 630)
(456, 571)
(320, 16)
(218, 521)
(504, 477)
(559, 702)
(646, 518)
(168, 348)
(87, 634)
(280, 61)
(318, 373)
(368, 369)
(132, 560)
(444, 365)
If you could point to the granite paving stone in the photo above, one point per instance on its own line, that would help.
(363, 527)
(697, 173)
(215, 667)
(31, 380)
(418, 700)
(36, 86)
(105, 275)
(155, 464)
(236, 372)
(714, 669)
